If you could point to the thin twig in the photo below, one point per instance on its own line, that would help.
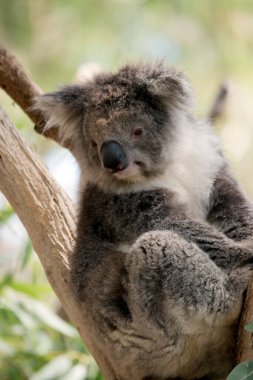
(219, 102)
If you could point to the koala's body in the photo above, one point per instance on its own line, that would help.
(164, 238)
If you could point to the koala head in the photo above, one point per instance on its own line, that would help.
(121, 126)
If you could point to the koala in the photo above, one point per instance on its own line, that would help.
(164, 247)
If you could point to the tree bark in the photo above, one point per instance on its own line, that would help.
(48, 214)
(244, 347)
(17, 84)
(49, 218)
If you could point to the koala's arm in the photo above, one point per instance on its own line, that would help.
(225, 252)
(227, 235)
(230, 211)
(188, 274)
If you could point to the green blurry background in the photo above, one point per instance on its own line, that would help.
(212, 40)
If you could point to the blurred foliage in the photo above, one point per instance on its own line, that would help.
(5, 213)
(211, 40)
(35, 343)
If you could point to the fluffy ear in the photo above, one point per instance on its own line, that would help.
(171, 85)
(63, 109)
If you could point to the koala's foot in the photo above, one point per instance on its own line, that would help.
(166, 271)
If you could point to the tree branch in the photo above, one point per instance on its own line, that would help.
(49, 218)
(17, 84)
(244, 349)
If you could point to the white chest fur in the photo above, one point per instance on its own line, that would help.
(193, 162)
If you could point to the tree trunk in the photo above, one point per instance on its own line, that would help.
(48, 214)
(43, 207)
(244, 347)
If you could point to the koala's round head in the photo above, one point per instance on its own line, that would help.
(121, 125)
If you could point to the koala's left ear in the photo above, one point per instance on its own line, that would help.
(171, 85)
(63, 109)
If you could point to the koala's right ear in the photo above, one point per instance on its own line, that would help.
(63, 109)
(171, 85)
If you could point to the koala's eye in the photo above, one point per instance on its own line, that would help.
(138, 132)
(94, 144)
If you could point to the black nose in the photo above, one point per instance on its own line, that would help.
(113, 156)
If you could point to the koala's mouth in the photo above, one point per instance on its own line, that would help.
(132, 170)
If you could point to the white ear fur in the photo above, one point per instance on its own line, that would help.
(61, 110)
(171, 85)
(87, 72)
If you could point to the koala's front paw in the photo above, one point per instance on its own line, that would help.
(153, 246)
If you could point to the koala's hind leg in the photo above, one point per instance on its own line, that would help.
(166, 273)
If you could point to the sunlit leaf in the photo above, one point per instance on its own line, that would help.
(30, 311)
(93, 370)
(7, 315)
(249, 327)
(33, 290)
(78, 372)
(41, 342)
(25, 318)
(7, 279)
(15, 311)
(49, 318)
(5, 214)
(243, 371)
(26, 255)
(55, 369)
(99, 376)
(5, 348)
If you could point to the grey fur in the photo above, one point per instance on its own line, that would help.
(161, 259)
